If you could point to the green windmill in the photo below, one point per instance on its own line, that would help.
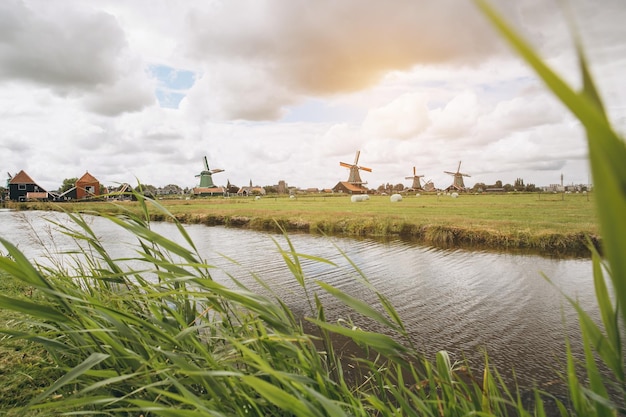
(206, 176)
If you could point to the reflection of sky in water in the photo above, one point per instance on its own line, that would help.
(449, 299)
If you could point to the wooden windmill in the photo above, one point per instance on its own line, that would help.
(206, 176)
(355, 177)
(417, 184)
(458, 183)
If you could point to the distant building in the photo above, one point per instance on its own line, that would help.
(349, 188)
(23, 188)
(170, 189)
(251, 190)
(85, 187)
(282, 187)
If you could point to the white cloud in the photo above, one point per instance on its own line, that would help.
(286, 90)
(403, 118)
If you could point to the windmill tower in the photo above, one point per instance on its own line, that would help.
(355, 177)
(417, 185)
(458, 183)
(206, 176)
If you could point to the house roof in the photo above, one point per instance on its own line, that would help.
(351, 187)
(87, 178)
(21, 178)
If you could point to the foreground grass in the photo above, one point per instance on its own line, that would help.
(25, 368)
(547, 223)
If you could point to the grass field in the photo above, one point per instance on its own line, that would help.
(551, 223)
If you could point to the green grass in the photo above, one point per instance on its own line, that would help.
(549, 223)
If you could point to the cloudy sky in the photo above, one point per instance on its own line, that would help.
(275, 90)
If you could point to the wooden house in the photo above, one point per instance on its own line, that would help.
(23, 188)
(349, 188)
(85, 187)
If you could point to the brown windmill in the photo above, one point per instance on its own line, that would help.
(354, 177)
(417, 184)
(458, 183)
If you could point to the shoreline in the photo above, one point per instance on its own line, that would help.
(438, 236)
(431, 222)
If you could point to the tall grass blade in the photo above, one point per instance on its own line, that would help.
(607, 151)
(72, 375)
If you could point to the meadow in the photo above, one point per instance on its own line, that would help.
(551, 224)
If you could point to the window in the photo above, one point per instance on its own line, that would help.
(21, 186)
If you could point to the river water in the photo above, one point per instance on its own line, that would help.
(466, 302)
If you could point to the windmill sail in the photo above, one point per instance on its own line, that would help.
(457, 183)
(355, 177)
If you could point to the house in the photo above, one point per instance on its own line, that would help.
(85, 187)
(251, 190)
(208, 191)
(349, 188)
(23, 188)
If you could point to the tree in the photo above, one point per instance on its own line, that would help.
(67, 184)
(498, 184)
(479, 187)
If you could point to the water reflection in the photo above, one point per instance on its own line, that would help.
(458, 300)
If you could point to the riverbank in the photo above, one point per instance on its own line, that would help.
(549, 224)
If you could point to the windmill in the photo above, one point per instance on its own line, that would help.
(206, 180)
(354, 177)
(429, 186)
(417, 185)
(458, 183)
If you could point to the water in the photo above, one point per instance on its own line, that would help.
(461, 301)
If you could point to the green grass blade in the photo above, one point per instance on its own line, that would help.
(357, 305)
(33, 309)
(93, 360)
(280, 398)
(379, 342)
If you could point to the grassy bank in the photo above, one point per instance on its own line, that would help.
(546, 223)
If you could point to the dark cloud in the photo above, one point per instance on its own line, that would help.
(332, 46)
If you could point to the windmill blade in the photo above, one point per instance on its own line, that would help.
(216, 170)
(356, 158)
(365, 169)
(409, 178)
(345, 164)
(459, 167)
(206, 164)
(448, 172)
(413, 171)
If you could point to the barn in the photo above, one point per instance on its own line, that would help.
(85, 187)
(349, 188)
(23, 188)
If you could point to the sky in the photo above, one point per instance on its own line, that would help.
(272, 90)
